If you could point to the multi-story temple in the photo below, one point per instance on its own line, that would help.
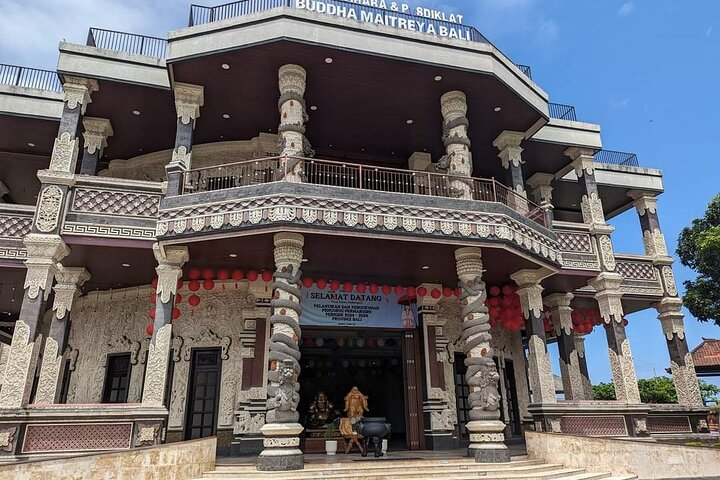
(199, 234)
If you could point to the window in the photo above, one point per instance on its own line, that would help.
(117, 378)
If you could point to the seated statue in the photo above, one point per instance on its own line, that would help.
(356, 404)
(321, 412)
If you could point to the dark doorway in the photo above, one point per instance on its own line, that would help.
(117, 378)
(204, 393)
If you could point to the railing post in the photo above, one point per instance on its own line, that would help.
(494, 190)
(17, 77)
(360, 172)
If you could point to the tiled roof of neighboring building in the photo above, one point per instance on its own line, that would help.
(707, 354)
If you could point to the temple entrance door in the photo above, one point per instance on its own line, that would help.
(413, 398)
(203, 398)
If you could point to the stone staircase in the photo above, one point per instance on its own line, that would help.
(414, 469)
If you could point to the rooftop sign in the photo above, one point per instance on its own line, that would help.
(393, 14)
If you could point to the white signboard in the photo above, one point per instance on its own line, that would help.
(325, 308)
(393, 14)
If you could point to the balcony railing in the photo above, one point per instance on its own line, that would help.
(127, 42)
(617, 158)
(30, 78)
(525, 70)
(562, 112)
(363, 177)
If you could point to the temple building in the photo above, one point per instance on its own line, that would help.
(224, 231)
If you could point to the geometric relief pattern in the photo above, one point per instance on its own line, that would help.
(606, 426)
(575, 242)
(111, 231)
(669, 424)
(636, 270)
(82, 437)
(14, 226)
(109, 202)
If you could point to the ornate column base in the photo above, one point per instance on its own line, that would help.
(282, 452)
(487, 441)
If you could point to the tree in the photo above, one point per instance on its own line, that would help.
(710, 393)
(699, 249)
(657, 390)
(604, 391)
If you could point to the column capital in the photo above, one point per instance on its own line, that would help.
(583, 160)
(508, 143)
(468, 263)
(44, 252)
(78, 91)
(188, 100)
(453, 105)
(292, 79)
(170, 262)
(608, 295)
(644, 201)
(530, 277)
(69, 280)
(671, 317)
(541, 185)
(97, 131)
(560, 301)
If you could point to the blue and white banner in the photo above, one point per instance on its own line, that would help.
(325, 308)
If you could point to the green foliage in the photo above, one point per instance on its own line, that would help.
(699, 249)
(330, 431)
(656, 390)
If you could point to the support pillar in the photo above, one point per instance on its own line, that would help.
(541, 193)
(582, 360)
(97, 131)
(188, 100)
(281, 430)
(609, 298)
(457, 144)
(67, 287)
(486, 430)
(292, 81)
(540, 373)
(44, 252)
(169, 270)
(572, 377)
(511, 155)
(681, 362)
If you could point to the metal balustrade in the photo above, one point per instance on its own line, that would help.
(127, 42)
(562, 112)
(363, 177)
(617, 158)
(30, 78)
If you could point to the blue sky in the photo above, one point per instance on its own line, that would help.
(646, 70)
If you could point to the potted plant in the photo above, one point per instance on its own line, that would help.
(331, 433)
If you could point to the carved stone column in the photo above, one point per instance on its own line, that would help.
(541, 193)
(511, 155)
(281, 430)
(681, 362)
(169, 270)
(485, 427)
(188, 100)
(97, 131)
(67, 287)
(44, 252)
(292, 80)
(540, 373)
(609, 298)
(572, 378)
(457, 143)
(582, 360)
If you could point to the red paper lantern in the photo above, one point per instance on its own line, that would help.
(237, 275)
(149, 329)
(208, 284)
(208, 274)
(386, 289)
(335, 285)
(307, 282)
(508, 290)
(194, 300)
(194, 273)
(506, 302)
(347, 287)
(421, 291)
(399, 291)
(223, 275)
(194, 286)
(494, 291)
(361, 287)
(494, 301)
(436, 293)
(176, 313)
(373, 288)
(457, 292)
(447, 292)
(154, 283)
(252, 275)
(267, 276)
(180, 283)
(178, 298)
(151, 313)
(153, 298)
(411, 292)
(321, 283)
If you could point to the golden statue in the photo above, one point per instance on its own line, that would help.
(321, 411)
(356, 404)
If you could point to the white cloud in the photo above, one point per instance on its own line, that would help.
(626, 9)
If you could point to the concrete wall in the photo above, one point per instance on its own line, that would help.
(175, 461)
(647, 460)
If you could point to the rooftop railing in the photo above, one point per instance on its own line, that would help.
(525, 70)
(363, 177)
(127, 42)
(562, 112)
(30, 78)
(617, 158)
